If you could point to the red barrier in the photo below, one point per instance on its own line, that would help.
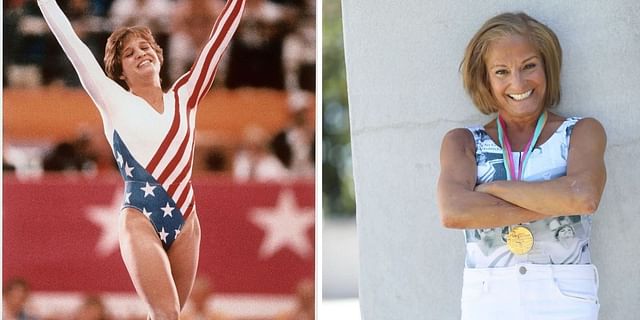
(60, 233)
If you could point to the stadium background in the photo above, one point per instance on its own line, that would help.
(253, 167)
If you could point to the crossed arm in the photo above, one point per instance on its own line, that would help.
(464, 206)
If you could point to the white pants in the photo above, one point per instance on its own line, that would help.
(531, 292)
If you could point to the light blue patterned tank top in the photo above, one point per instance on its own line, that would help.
(558, 240)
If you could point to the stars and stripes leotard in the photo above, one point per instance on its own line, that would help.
(154, 151)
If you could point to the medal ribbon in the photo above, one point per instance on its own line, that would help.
(507, 155)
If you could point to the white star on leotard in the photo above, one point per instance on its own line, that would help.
(167, 210)
(177, 232)
(163, 235)
(148, 190)
(146, 213)
(119, 159)
(126, 197)
(128, 170)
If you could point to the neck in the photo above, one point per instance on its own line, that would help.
(150, 93)
(144, 91)
(520, 124)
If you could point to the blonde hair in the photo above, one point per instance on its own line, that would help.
(473, 67)
(115, 45)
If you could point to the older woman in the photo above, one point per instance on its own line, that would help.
(546, 166)
(152, 136)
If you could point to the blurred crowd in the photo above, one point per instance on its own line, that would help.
(17, 304)
(274, 48)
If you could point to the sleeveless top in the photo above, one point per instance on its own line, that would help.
(557, 240)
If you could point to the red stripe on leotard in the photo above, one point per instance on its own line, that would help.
(182, 175)
(189, 209)
(175, 124)
(171, 166)
(196, 96)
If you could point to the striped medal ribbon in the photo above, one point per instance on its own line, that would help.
(520, 238)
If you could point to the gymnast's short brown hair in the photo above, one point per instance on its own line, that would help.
(475, 76)
(115, 45)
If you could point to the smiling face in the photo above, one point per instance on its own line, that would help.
(131, 43)
(139, 61)
(516, 76)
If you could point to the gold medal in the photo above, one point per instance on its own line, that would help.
(520, 240)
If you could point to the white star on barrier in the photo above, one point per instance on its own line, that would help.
(106, 217)
(285, 226)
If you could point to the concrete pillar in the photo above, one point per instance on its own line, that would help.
(405, 92)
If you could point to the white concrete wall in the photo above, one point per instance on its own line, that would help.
(405, 92)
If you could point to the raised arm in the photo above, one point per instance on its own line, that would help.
(197, 82)
(460, 206)
(91, 75)
(578, 192)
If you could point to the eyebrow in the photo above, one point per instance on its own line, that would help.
(140, 42)
(523, 61)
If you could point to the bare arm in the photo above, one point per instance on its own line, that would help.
(578, 192)
(461, 207)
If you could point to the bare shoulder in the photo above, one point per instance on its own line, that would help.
(458, 136)
(588, 138)
(590, 129)
(457, 142)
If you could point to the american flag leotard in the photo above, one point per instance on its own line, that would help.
(154, 151)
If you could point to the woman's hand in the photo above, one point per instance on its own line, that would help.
(484, 187)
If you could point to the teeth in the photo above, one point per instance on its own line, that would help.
(521, 96)
(143, 63)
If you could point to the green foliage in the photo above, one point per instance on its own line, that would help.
(338, 194)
